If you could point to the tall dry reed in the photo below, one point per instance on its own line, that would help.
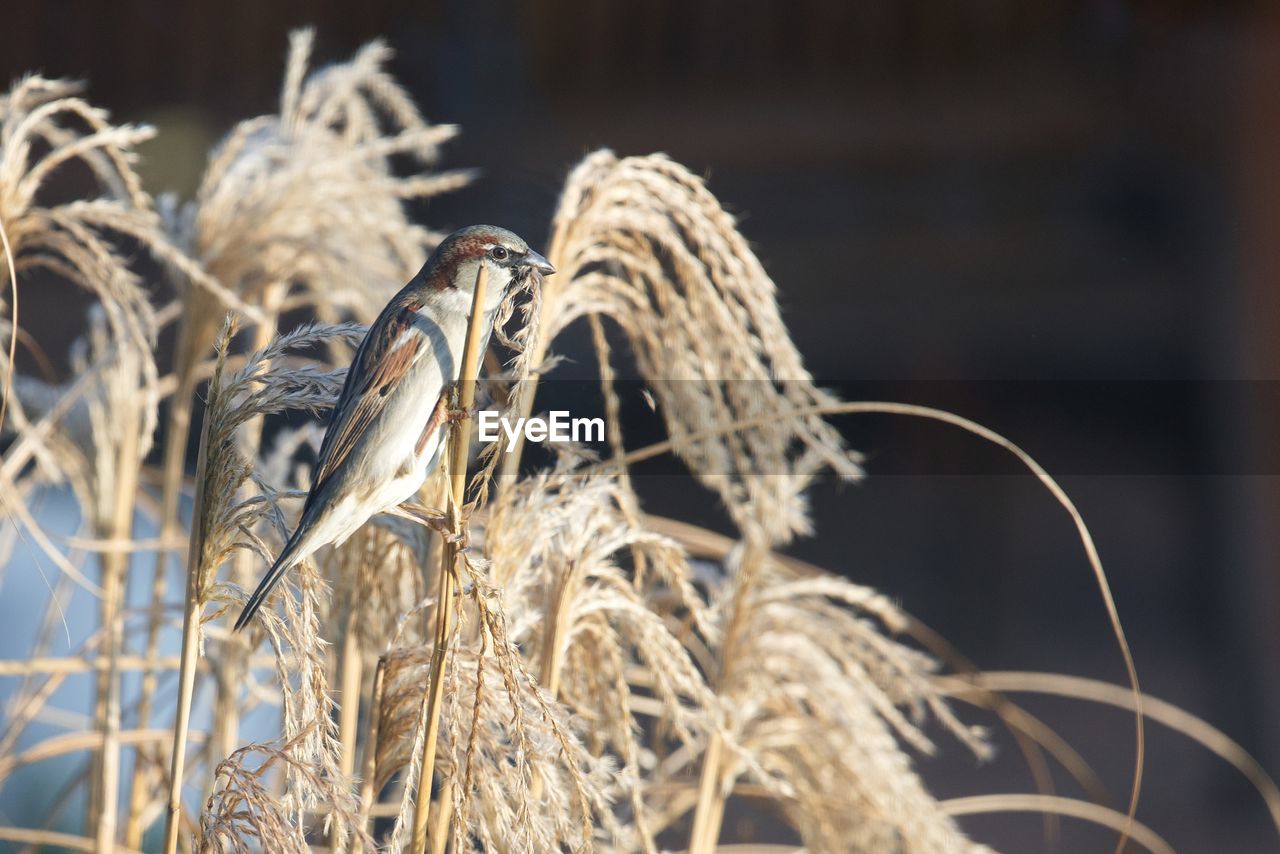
(586, 674)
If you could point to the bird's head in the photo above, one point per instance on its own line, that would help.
(503, 254)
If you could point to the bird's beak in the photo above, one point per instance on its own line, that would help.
(534, 261)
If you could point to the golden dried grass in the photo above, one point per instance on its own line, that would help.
(609, 680)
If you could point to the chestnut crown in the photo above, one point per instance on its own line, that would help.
(503, 252)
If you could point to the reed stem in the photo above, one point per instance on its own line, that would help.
(369, 767)
(234, 653)
(441, 819)
(708, 815)
(351, 677)
(190, 650)
(172, 458)
(115, 567)
(709, 812)
(461, 437)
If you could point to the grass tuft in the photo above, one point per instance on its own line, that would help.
(587, 675)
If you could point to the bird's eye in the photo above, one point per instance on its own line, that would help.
(500, 253)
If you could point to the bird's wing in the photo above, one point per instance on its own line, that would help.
(390, 348)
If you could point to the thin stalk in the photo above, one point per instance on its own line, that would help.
(370, 765)
(13, 334)
(1104, 693)
(351, 665)
(613, 429)
(441, 819)
(115, 565)
(65, 666)
(557, 624)
(174, 454)
(444, 601)
(53, 839)
(709, 812)
(190, 652)
(74, 742)
(708, 815)
(235, 653)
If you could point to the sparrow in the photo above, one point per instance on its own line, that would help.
(387, 430)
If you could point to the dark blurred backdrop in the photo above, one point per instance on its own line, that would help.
(1058, 218)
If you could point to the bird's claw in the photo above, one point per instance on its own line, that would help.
(460, 537)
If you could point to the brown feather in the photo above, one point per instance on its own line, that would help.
(437, 417)
(441, 272)
(373, 373)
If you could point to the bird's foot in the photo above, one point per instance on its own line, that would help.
(452, 416)
(440, 524)
(460, 538)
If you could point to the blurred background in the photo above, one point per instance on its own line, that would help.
(1056, 218)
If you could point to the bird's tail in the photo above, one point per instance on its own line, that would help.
(288, 558)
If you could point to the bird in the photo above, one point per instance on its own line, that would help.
(386, 432)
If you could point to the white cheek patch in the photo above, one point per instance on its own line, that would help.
(499, 280)
(499, 276)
